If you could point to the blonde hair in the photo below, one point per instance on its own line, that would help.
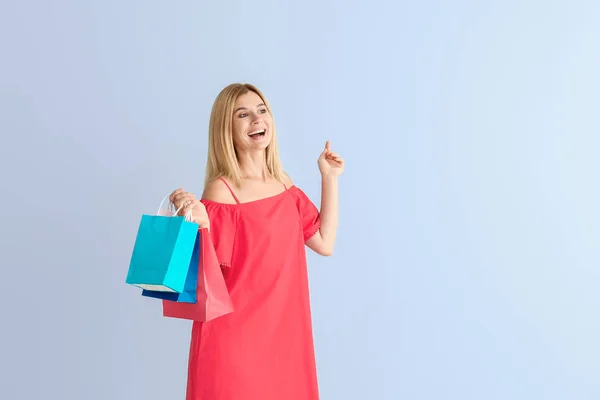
(222, 158)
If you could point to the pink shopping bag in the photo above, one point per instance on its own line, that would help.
(213, 298)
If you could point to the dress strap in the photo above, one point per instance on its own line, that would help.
(230, 190)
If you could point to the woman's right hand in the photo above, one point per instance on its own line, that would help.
(189, 201)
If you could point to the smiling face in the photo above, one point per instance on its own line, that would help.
(251, 123)
(240, 123)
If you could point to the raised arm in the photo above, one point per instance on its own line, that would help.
(331, 166)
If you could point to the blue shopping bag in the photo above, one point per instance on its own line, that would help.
(162, 255)
(189, 293)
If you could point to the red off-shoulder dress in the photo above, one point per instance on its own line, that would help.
(264, 349)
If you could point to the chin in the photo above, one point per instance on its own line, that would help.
(260, 145)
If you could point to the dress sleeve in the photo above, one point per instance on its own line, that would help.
(309, 214)
(223, 225)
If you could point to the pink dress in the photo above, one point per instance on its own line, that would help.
(264, 349)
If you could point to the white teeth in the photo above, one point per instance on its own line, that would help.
(255, 132)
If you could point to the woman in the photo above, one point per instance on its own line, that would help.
(259, 223)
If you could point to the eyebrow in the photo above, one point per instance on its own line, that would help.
(244, 108)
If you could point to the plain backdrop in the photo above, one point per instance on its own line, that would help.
(467, 258)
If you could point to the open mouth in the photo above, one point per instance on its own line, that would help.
(257, 134)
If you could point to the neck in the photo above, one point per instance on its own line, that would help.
(253, 165)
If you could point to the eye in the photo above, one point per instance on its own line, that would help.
(243, 115)
(263, 111)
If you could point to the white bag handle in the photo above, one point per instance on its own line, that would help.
(188, 216)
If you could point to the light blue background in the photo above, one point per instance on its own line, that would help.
(467, 260)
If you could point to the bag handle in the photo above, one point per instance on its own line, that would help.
(188, 216)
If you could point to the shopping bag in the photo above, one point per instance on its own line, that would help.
(188, 295)
(212, 295)
(162, 255)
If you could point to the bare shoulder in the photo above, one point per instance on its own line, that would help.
(287, 181)
(218, 192)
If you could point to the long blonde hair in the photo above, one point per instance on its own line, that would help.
(222, 159)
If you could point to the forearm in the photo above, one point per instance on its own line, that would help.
(329, 212)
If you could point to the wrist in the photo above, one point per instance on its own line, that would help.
(329, 178)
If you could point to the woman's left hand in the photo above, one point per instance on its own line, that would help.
(330, 164)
